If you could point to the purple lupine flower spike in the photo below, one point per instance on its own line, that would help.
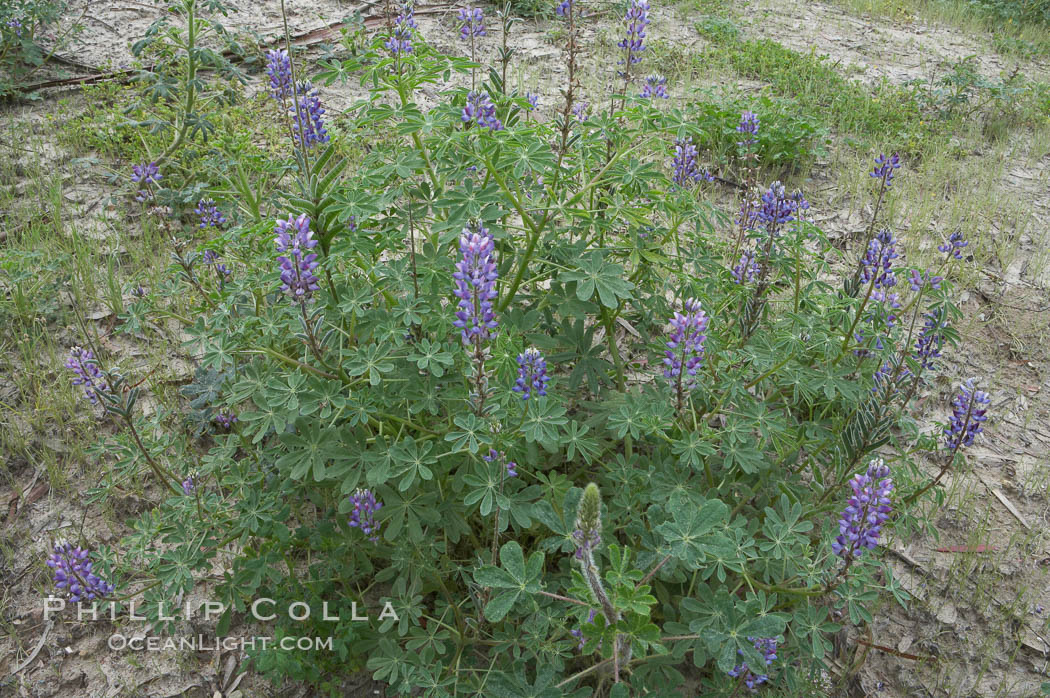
(778, 208)
(476, 274)
(768, 647)
(655, 87)
(953, 245)
(746, 269)
(472, 23)
(533, 100)
(209, 214)
(297, 267)
(637, 19)
(564, 8)
(884, 379)
(884, 167)
(481, 111)
(363, 515)
(928, 344)
(878, 264)
(580, 109)
(189, 486)
(532, 374)
(279, 70)
(73, 576)
(969, 408)
(145, 175)
(82, 363)
(917, 279)
(865, 512)
(749, 127)
(578, 632)
(308, 126)
(685, 349)
(225, 419)
(401, 40)
(687, 171)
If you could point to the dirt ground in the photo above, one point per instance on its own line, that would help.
(980, 621)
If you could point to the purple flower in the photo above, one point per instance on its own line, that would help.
(564, 8)
(778, 207)
(637, 19)
(884, 167)
(189, 486)
(476, 274)
(472, 23)
(309, 123)
(532, 374)
(210, 214)
(279, 69)
(928, 344)
(73, 576)
(878, 261)
(533, 100)
(746, 269)
(917, 280)
(297, 268)
(578, 632)
(655, 87)
(401, 39)
(884, 379)
(749, 127)
(685, 345)
(954, 243)
(225, 419)
(686, 170)
(580, 109)
(82, 363)
(146, 175)
(16, 25)
(482, 111)
(968, 413)
(512, 469)
(363, 515)
(768, 647)
(865, 512)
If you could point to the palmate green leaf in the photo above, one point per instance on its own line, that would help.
(688, 528)
(575, 440)
(514, 574)
(595, 274)
(541, 424)
(475, 431)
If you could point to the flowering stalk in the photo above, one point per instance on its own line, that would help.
(475, 276)
(969, 412)
(588, 536)
(636, 20)
(73, 575)
(363, 515)
(472, 25)
(509, 469)
(883, 171)
(532, 374)
(685, 349)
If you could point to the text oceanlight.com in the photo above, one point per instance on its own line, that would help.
(200, 643)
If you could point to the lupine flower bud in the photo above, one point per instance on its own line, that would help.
(686, 170)
(279, 70)
(363, 515)
(685, 345)
(476, 274)
(884, 167)
(954, 243)
(481, 111)
(588, 533)
(532, 374)
(73, 576)
(82, 363)
(472, 23)
(865, 512)
(210, 214)
(968, 414)
(655, 87)
(768, 647)
(297, 268)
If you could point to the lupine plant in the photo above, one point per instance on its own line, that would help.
(510, 375)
